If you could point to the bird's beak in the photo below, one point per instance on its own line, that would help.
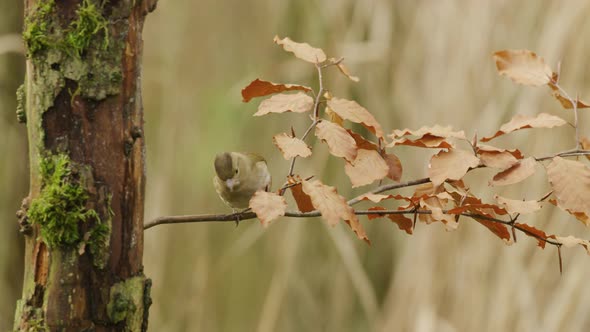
(231, 183)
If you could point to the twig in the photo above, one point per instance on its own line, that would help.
(316, 113)
(575, 108)
(295, 214)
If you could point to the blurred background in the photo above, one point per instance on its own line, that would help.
(420, 63)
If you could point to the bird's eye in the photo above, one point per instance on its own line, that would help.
(236, 171)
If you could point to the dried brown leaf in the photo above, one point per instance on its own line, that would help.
(452, 165)
(500, 230)
(260, 88)
(404, 223)
(436, 130)
(566, 103)
(532, 231)
(291, 146)
(523, 67)
(570, 181)
(585, 143)
(394, 165)
(498, 158)
(301, 50)
(302, 199)
(426, 137)
(340, 143)
(350, 110)
(268, 206)
(344, 70)
(368, 167)
(520, 121)
(298, 103)
(375, 198)
(518, 172)
(518, 206)
(326, 199)
(361, 142)
(333, 117)
(571, 241)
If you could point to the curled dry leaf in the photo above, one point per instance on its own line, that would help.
(534, 233)
(350, 110)
(427, 196)
(450, 165)
(333, 117)
(427, 137)
(361, 142)
(499, 229)
(302, 199)
(268, 206)
(570, 181)
(436, 130)
(566, 103)
(585, 143)
(498, 158)
(404, 223)
(368, 167)
(395, 167)
(298, 103)
(520, 121)
(340, 143)
(571, 241)
(518, 172)
(301, 50)
(523, 67)
(518, 206)
(333, 207)
(375, 198)
(260, 88)
(344, 70)
(326, 199)
(291, 146)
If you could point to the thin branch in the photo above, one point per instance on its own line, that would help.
(316, 113)
(575, 108)
(295, 214)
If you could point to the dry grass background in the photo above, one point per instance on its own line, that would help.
(420, 63)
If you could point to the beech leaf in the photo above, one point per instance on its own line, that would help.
(350, 110)
(516, 173)
(523, 67)
(570, 181)
(520, 121)
(518, 206)
(268, 206)
(498, 158)
(260, 88)
(394, 165)
(301, 50)
(536, 232)
(368, 167)
(571, 241)
(298, 103)
(291, 146)
(302, 199)
(450, 165)
(426, 137)
(585, 143)
(566, 103)
(326, 199)
(404, 223)
(340, 143)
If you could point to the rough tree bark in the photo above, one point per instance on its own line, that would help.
(83, 218)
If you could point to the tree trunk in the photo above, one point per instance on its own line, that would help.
(83, 218)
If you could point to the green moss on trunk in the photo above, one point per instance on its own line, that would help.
(61, 205)
(127, 303)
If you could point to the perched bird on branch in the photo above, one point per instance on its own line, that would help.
(238, 176)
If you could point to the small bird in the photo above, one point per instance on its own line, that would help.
(239, 176)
